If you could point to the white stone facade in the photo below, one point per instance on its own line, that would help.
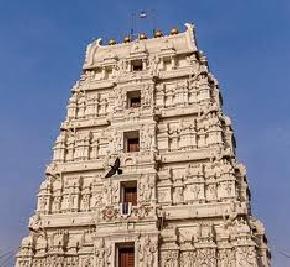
(193, 200)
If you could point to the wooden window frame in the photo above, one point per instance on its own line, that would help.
(125, 246)
(132, 194)
(129, 137)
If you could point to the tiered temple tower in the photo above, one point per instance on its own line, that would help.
(144, 171)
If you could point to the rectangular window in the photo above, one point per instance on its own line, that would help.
(134, 99)
(135, 102)
(126, 255)
(108, 72)
(167, 63)
(133, 145)
(129, 192)
(137, 65)
(132, 142)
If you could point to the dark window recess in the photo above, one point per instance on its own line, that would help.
(126, 257)
(135, 102)
(137, 65)
(133, 145)
(167, 63)
(134, 99)
(108, 73)
(131, 142)
(130, 195)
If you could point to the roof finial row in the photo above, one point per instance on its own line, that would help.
(142, 36)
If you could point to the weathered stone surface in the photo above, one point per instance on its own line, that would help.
(193, 202)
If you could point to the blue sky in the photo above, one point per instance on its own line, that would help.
(42, 47)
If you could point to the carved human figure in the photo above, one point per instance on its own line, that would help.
(228, 188)
(178, 194)
(73, 201)
(72, 107)
(86, 202)
(170, 259)
(147, 96)
(206, 257)
(246, 256)
(107, 191)
(149, 190)
(150, 250)
(94, 147)
(109, 194)
(154, 65)
(34, 221)
(41, 205)
(70, 147)
(81, 105)
(170, 96)
(188, 259)
(211, 192)
(57, 203)
(196, 190)
(114, 192)
(103, 105)
(108, 252)
(226, 258)
(87, 262)
(146, 188)
(100, 257)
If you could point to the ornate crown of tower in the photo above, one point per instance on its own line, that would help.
(144, 171)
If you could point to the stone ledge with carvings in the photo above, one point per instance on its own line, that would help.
(137, 160)
(135, 75)
(205, 210)
(97, 164)
(141, 213)
(185, 110)
(76, 219)
(85, 123)
(91, 85)
(133, 121)
(130, 160)
(178, 72)
(133, 160)
(129, 115)
(190, 155)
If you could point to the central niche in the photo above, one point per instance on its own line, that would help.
(131, 142)
(134, 99)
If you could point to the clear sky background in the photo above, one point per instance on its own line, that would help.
(42, 45)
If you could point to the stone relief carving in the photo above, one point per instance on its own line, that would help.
(226, 257)
(170, 259)
(188, 259)
(245, 256)
(206, 257)
(147, 252)
(109, 213)
(146, 189)
(147, 96)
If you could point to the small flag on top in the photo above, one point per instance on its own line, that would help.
(143, 15)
